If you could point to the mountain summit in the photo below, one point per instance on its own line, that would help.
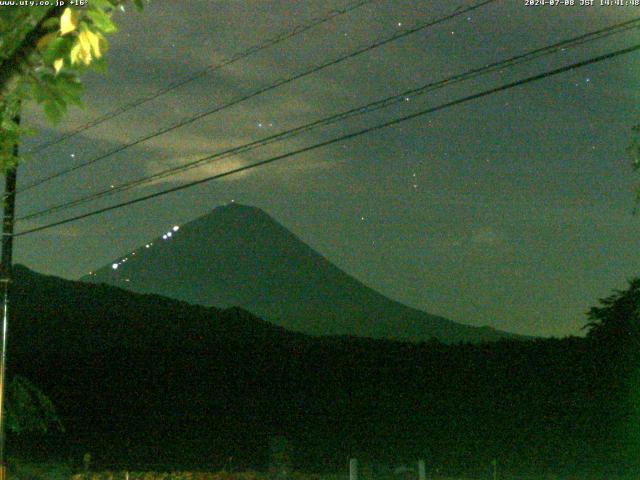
(238, 255)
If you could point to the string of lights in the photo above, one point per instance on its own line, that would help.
(340, 138)
(278, 83)
(279, 38)
(361, 110)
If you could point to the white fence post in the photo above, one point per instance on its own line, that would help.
(353, 469)
(422, 470)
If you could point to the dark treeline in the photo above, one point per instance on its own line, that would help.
(141, 380)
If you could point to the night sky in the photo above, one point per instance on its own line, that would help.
(513, 211)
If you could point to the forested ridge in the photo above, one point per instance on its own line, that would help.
(143, 379)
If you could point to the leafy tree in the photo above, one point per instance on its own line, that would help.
(43, 52)
(614, 328)
(634, 152)
(617, 320)
(28, 409)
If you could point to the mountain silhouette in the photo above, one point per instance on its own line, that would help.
(238, 255)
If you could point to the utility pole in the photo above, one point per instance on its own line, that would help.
(6, 269)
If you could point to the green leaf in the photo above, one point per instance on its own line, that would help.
(39, 92)
(69, 88)
(51, 23)
(58, 48)
(139, 4)
(102, 21)
(99, 65)
(104, 5)
(53, 111)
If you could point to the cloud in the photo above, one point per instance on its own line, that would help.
(286, 168)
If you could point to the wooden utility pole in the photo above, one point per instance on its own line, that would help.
(6, 270)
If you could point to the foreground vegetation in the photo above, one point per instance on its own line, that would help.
(57, 472)
(142, 379)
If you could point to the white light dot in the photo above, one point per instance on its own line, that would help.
(164, 237)
(147, 246)
(169, 234)
(73, 155)
(176, 228)
(399, 24)
(114, 266)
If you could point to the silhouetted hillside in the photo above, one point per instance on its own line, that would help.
(142, 379)
(239, 255)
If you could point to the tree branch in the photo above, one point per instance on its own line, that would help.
(11, 67)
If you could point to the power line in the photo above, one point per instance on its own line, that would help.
(281, 37)
(262, 90)
(340, 138)
(369, 107)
